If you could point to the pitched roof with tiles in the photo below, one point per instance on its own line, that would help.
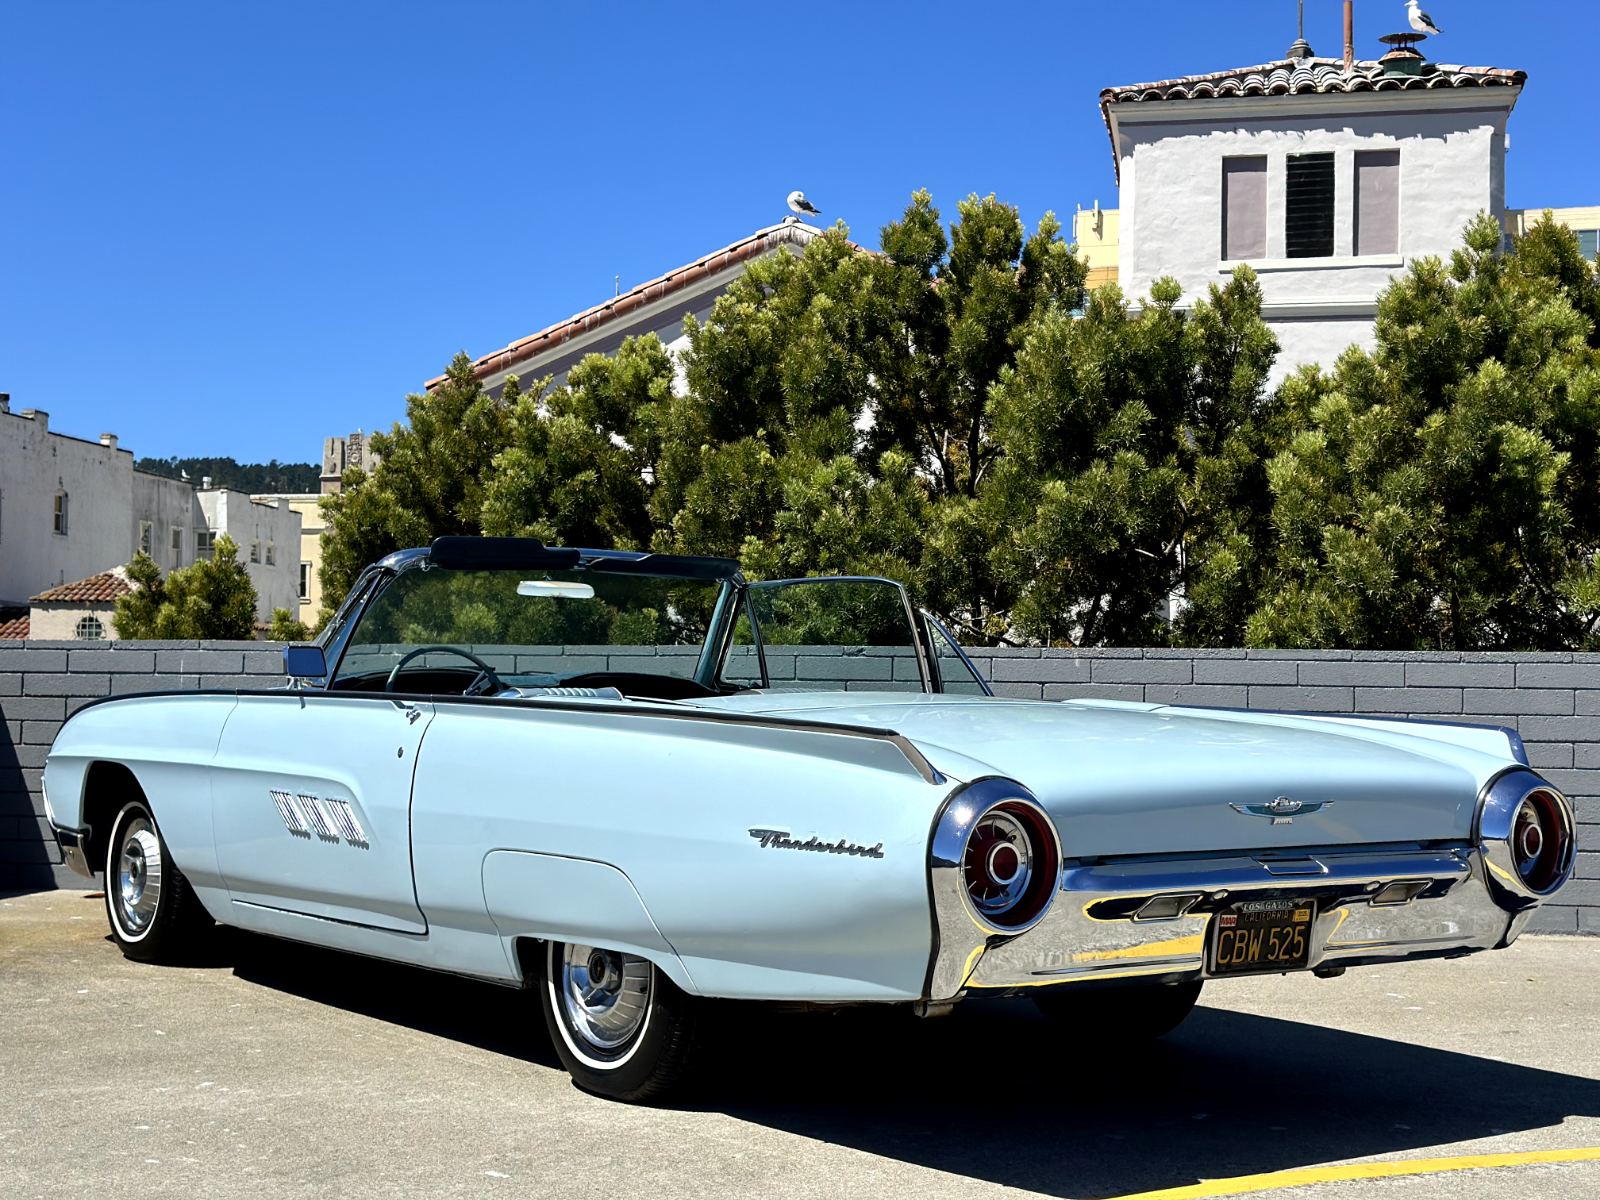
(1300, 76)
(1303, 77)
(106, 586)
(17, 627)
(792, 233)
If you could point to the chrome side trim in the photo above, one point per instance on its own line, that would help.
(626, 708)
(317, 818)
(345, 818)
(287, 810)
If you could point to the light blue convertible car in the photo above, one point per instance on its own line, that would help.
(634, 782)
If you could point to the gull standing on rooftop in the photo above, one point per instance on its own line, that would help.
(1421, 21)
(798, 202)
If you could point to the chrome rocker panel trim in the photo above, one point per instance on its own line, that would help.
(1470, 898)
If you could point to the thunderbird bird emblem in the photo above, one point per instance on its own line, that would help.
(1283, 810)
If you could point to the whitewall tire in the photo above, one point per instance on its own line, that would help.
(154, 913)
(621, 1028)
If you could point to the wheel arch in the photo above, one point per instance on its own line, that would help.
(107, 786)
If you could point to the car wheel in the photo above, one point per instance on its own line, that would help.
(155, 915)
(1121, 1014)
(622, 1028)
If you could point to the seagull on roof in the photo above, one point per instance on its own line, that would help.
(798, 202)
(1421, 21)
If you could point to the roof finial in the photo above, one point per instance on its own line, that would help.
(1301, 48)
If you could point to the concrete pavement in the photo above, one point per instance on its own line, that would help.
(275, 1070)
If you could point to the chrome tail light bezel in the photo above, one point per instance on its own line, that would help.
(1504, 801)
(962, 930)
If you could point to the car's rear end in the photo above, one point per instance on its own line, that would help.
(1189, 844)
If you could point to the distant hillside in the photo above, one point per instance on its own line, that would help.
(273, 476)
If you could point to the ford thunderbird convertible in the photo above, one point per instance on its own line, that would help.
(632, 783)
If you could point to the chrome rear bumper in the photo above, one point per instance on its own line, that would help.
(1091, 931)
(1458, 899)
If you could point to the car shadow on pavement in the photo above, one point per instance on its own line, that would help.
(993, 1093)
(501, 1020)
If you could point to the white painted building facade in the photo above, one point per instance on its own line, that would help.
(1387, 166)
(71, 509)
(268, 536)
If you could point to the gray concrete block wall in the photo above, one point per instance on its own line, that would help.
(41, 683)
(1552, 700)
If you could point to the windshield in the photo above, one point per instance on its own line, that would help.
(534, 628)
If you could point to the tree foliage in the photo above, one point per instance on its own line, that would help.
(213, 598)
(1441, 492)
(1047, 466)
(286, 627)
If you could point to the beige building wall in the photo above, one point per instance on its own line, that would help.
(307, 569)
(1095, 231)
(1584, 221)
(59, 622)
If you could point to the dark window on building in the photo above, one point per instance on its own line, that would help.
(1378, 202)
(1589, 243)
(60, 516)
(305, 580)
(1244, 208)
(1308, 206)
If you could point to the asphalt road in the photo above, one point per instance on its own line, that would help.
(275, 1070)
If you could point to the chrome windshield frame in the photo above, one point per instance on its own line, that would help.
(923, 670)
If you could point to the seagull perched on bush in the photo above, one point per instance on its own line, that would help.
(798, 202)
(1421, 21)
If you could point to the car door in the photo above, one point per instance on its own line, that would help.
(311, 805)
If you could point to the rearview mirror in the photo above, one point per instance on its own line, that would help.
(304, 661)
(555, 587)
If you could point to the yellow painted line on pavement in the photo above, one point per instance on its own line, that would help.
(1274, 1180)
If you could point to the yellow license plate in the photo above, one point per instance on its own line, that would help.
(1262, 935)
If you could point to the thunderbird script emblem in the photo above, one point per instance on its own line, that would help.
(1283, 810)
(779, 839)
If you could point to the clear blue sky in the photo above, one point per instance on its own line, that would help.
(237, 228)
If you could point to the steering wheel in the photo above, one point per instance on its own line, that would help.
(485, 671)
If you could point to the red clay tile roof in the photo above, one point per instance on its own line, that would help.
(106, 586)
(17, 628)
(1299, 76)
(763, 241)
(1306, 76)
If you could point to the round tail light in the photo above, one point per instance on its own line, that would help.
(1010, 865)
(1539, 840)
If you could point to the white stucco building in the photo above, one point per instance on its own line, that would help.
(72, 509)
(1326, 175)
(65, 505)
(268, 536)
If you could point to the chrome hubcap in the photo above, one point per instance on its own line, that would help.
(138, 889)
(606, 993)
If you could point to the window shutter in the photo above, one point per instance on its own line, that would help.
(1378, 202)
(1308, 216)
(1244, 208)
